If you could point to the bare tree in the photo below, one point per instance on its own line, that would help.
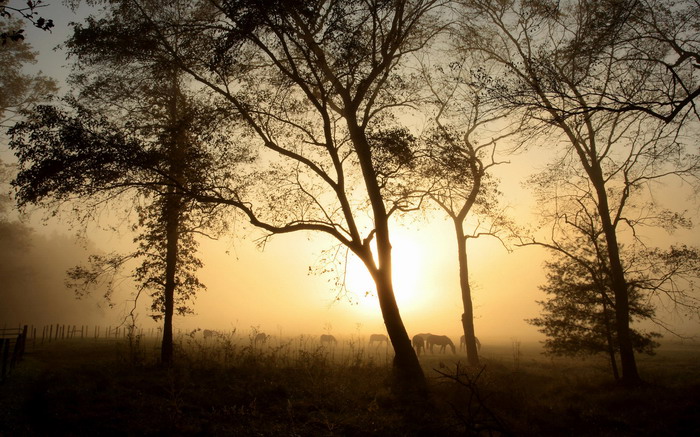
(456, 168)
(561, 64)
(658, 45)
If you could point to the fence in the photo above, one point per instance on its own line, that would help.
(12, 344)
(55, 332)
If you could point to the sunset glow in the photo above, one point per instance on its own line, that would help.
(409, 275)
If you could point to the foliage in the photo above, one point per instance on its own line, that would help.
(20, 90)
(14, 32)
(152, 249)
(81, 154)
(573, 72)
(579, 315)
(63, 156)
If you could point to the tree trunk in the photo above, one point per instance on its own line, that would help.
(409, 375)
(173, 205)
(408, 372)
(468, 315)
(609, 339)
(172, 235)
(630, 374)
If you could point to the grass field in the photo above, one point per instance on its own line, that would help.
(294, 387)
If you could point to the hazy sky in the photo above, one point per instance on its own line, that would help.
(274, 290)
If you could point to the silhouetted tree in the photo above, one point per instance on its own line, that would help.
(320, 88)
(460, 154)
(579, 313)
(19, 89)
(151, 155)
(572, 70)
(657, 44)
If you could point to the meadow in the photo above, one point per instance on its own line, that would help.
(229, 386)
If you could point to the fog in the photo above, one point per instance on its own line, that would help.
(33, 268)
(276, 290)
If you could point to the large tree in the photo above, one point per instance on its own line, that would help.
(143, 143)
(321, 89)
(572, 69)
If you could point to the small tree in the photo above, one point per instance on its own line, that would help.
(456, 167)
(579, 314)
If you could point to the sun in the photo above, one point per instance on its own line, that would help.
(408, 272)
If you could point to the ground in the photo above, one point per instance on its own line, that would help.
(293, 387)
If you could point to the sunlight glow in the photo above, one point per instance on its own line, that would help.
(408, 274)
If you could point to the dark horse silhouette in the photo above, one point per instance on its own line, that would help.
(441, 340)
(379, 339)
(418, 344)
(261, 338)
(327, 338)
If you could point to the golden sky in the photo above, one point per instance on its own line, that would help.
(273, 290)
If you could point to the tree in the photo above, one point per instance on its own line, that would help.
(561, 64)
(457, 167)
(19, 90)
(320, 88)
(147, 156)
(579, 314)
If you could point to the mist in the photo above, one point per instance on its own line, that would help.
(33, 270)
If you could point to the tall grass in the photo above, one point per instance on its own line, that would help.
(229, 385)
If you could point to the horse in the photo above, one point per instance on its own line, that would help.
(379, 339)
(418, 344)
(463, 343)
(261, 338)
(327, 338)
(424, 336)
(441, 340)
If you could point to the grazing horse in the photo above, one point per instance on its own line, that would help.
(379, 339)
(441, 340)
(463, 343)
(327, 338)
(418, 344)
(425, 336)
(261, 338)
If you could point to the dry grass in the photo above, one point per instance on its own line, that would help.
(227, 386)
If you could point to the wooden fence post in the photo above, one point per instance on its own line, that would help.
(5, 347)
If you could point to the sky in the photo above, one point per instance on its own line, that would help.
(275, 290)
